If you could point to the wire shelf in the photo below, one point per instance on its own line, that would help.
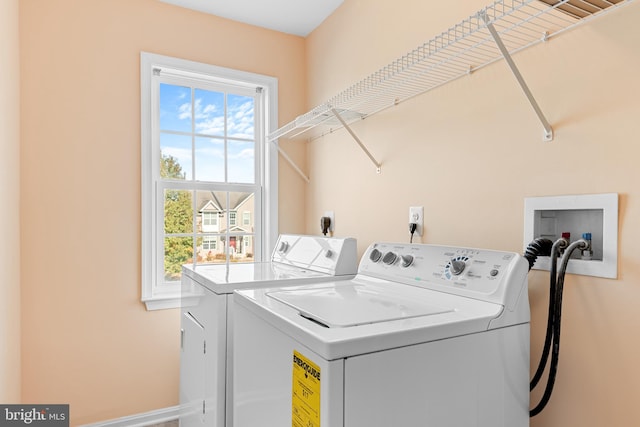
(457, 52)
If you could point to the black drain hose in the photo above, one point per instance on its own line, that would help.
(538, 247)
(554, 251)
(555, 314)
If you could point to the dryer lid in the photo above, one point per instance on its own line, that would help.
(355, 304)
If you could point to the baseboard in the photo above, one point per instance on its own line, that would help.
(141, 420)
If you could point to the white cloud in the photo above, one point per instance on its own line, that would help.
(210, 120)
(210, 108)
(210, 152)
(211, 126)
(247, 153)
(184, 111)
(183, 155)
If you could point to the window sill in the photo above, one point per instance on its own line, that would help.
(171, 301)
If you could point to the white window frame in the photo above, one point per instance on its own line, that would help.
(169, 296)
(210, 243)
(246, 218)
(211, 217)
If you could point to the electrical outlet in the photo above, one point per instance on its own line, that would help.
(333, 220)
(416, 214)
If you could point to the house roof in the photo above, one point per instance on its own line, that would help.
(217, 200)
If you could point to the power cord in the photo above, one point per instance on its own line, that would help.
(412, 230)
(325, 224)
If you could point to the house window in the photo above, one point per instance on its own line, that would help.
(246, 219)
(210, 218)
(204, 153)
(210, 243)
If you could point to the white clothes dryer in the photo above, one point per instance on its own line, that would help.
(207, 318)
(424, 335)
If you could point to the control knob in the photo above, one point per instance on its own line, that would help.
(375, 255)
(406, 260)
(328, 253)
(457, 267)
(283, 247)
(389, 258)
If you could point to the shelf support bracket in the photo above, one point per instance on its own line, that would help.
(355, 137)
(291, 162)
(548, 131)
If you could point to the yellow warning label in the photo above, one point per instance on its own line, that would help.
(305, 393)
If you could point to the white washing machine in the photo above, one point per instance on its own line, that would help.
(206, 319)
(424, 335)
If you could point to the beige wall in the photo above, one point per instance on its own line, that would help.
(10, 196)
(471, 151)
(468, 152)
(87, 340)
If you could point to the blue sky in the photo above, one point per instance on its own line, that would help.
(209, 123)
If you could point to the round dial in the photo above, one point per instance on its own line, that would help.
(375, 255)
(328, 253)
(406, 260)
(283, 247)
(389, 258)
(457, 267)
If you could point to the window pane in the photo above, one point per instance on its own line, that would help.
(211, 249)
(209, 215)
(240, 248)
(209, 159)
(175, 108)
(240, 118)
(218, 213)
(209, 118)
(175, 156)
(177, 251)
(241, 162)
(241, 206)
(178, 211)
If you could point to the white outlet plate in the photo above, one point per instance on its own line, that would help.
(416, 214)
(333, 220)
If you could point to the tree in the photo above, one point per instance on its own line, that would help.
(178, 218)
(170, 168)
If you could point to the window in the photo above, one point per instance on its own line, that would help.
(204, 154)
(209, 243)
(210, 222)
(246, 218)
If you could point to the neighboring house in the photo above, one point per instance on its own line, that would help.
(217, 225)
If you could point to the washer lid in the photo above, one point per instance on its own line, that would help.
(354, 304)
(224, 279)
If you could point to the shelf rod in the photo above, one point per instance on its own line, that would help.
(292, 163)
(548, 131)
(355, 137)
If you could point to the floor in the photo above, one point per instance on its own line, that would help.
(167, 424)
